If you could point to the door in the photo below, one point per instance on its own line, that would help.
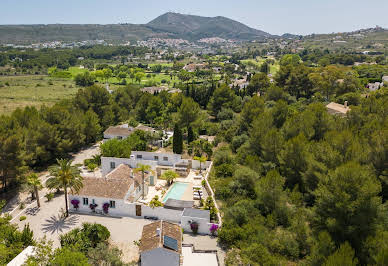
(138, 210)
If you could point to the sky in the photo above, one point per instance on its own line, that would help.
(273, 16)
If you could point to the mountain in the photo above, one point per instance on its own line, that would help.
(197, 27)
(169, 25)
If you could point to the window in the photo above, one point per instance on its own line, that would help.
(112, 165)
(86, 201)
(139, 156)
(156, 158)
(93, 201)
(112, 204)
(165, 158)
(119, 137)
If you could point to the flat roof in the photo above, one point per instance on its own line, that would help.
(190, 212)
(178, 204)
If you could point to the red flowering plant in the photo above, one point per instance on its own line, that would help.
(105, 208)
(213, 229)
(93, 206)
(75, 203)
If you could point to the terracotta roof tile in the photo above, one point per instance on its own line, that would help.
(114, 186)
(150, 240)
(119, 131)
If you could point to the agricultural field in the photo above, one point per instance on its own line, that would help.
(33, 90)
(256, 63)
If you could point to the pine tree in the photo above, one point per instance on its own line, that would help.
(177, 140)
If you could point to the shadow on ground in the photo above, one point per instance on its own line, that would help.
(56, 224)
(32, 211)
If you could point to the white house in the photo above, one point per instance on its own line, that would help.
(153, 159)
(161, 244)
(118, 132)
(119, 187)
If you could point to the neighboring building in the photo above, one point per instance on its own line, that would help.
(118, 132)
(153, 90)
(375, 86)
(338, 109)
(23, 256)
(385, 80)
(121, 185)
(146, 128)
(161, 244)
(194, 67)
(175, 91)
(240, 83)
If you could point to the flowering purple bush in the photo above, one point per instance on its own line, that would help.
(93, 206)
(105, 207)
(194, 227)
(213, 229)
(75, 203)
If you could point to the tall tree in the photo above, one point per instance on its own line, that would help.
(348, 206)
(34, 181)
(143, 169)
(177, 140)
(66, 176)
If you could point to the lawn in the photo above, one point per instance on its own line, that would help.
(33, 90)
(256, 63)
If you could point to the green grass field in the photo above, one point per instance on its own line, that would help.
(33, 90)
(256, 63)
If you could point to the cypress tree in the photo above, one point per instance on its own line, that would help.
(177, 141)
(190, 135)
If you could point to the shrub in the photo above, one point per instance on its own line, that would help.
(22, 206)
(194, 227)
(75, 203)
(22, 218)
(105, 207)
(213, 229)
(93, 206)
(49, 196)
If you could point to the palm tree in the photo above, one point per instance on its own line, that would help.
(143, 169)
(33, 181)
(201, 160)
(66, 176)
(170, 176)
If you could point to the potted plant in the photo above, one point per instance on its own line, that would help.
(213, 229)
(93, 207)
(194, 227)
(75, 204)
(105, 208)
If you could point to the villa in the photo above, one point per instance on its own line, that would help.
(115, 189)
(118, 132)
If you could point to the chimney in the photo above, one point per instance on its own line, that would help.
(346, 104)
(158, 231)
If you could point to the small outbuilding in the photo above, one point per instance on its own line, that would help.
(161, 244)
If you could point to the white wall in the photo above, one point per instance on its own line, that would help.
(162, 213)
(150, 156)
(160, 257)
(105, 163)
(203, 224)
(195, 165)
(122, 208)
(126, 209)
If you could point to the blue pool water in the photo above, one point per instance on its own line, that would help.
(176, 191)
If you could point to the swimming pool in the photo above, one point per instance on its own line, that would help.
(176, 192)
